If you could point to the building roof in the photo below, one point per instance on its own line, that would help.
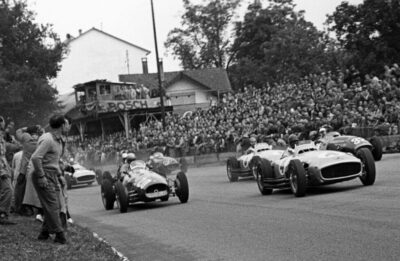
(215, 79)
(109, 35)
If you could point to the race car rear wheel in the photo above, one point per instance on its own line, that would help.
(376, 148)
(122, 197)
(99, 176)
(107, 195)
(297, 178)
(369, 173)
(263, 169)
(231, 164)
(182, 187)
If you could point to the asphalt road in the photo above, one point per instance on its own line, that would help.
(233, 221)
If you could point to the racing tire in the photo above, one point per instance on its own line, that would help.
(68, 181)
(232, 163)
(369, 172)
(107, 194)
(122, 197)
(263, 170)
(377, 148)
(107, 176)
(182, 187)
(99, 176)
(297, 178)
(253, 165)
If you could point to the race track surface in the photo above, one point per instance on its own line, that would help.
(233, 221)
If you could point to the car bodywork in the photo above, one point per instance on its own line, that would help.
(306, 165)
(351, 144)
(157, 179)
(243, 166)
(75, 175)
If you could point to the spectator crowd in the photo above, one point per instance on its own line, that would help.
(338, 99)
(32, 175)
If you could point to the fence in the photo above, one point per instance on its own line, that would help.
(391, 144)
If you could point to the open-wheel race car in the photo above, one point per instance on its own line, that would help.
(306, 165)
(159, 179)
(348, 143)
(77, 175)
(244, 165)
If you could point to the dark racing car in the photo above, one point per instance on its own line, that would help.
(352, 144)
(160, 178)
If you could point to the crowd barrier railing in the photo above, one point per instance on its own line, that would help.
(390, 143)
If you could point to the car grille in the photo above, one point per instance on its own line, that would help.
(156, 187)
(341, 170)
(85, 178)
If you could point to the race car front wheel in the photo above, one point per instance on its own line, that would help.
(122, 197)
(182, 187)
(297, 178)
(232, 164)
(107, 195)
(369, 173)
(263, 169)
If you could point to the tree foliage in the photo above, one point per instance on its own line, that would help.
(29, 57)
(203, 41)
(369, 32)
(277, 43)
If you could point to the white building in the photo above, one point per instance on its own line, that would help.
(95, 54)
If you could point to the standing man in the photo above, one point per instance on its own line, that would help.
(28, 137)
(45, 179)
(5, 179)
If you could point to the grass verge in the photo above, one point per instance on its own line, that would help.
(19, 242)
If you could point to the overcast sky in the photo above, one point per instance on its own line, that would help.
(131, 20)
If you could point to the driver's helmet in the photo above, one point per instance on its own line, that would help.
(322, 132)
(313, 135)
(253, 141)
(158, 155)
(124, 155)
(130, 157)
(293, 140)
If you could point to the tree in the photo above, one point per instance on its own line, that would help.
(29, 57)
(277, 43)
(203, 41)
(369, 32)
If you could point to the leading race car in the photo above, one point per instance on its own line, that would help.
(158, 179)
(244, 165)
(347, 143)
(305, 165)
(75, 175)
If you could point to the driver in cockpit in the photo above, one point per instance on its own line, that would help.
(253, 142)
(293, 141)
(125, 167)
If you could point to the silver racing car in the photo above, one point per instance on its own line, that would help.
(305, 165)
